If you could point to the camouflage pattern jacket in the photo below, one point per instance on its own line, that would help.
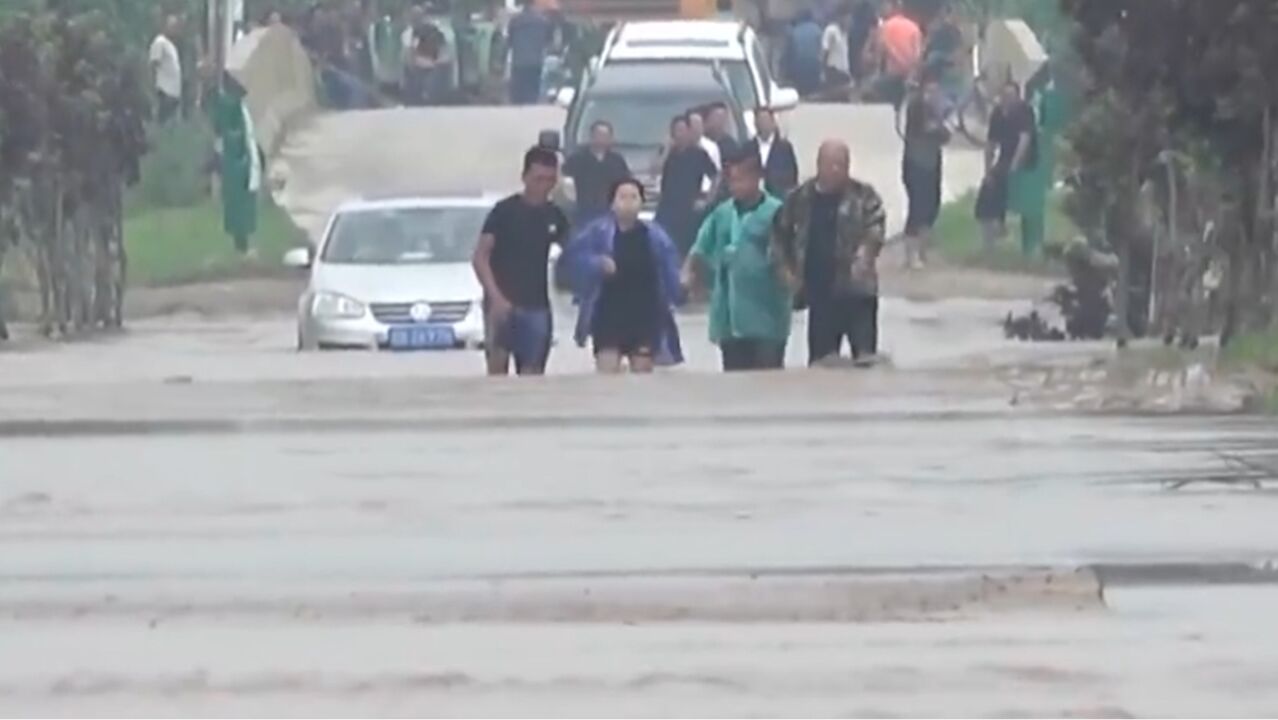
(862, 222)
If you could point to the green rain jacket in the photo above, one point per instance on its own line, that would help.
(748, 301)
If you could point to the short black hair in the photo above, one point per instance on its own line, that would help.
(718, 105)
(601, 125)
(680, 118)
(632, 181)
(744, 159)
(542, 156)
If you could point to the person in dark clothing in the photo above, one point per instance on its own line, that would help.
(510, 263)
(864, 22)
(780, 166)
(803, 53)
(1010, 147)
(826, 240)
(921, 168)
(686, 167)
(427, 64)
(530, 33)
(594, 170)
(626, 284)
(717, 130)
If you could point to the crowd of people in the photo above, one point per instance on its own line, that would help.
(743, 230)
(868, 49)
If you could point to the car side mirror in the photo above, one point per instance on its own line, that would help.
(565, 96)
(784, 99)
(300, 258)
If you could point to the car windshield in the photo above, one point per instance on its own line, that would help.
(399, 236)
(742, 83)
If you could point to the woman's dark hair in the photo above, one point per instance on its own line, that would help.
(545, 157)
(633, 182)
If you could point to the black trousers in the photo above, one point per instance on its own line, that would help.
(830, 320)
(744, 355)
(923, 189)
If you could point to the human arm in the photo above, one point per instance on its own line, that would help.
(1025, 138)
(781, 242)
(701, 254)
(481, 261)
(667, 255)
(789, 165)
(873, 227)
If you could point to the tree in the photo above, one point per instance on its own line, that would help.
(1164, 69)
(72, 99)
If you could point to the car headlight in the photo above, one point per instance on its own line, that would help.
(336, 305)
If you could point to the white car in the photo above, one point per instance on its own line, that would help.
(732, 46)
(394, 274)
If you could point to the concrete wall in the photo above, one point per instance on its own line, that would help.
(274, 68)
(1012, 50)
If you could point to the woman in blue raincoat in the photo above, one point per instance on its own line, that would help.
(625, 279)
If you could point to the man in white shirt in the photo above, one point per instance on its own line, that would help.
(166, 68)
(834, 51)
(697, 123)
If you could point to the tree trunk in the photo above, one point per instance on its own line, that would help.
(1123, 292)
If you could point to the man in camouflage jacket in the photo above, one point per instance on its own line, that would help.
(826, 241)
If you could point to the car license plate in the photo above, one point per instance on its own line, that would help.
(424, 337)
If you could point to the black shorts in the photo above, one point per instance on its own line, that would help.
(628, 329)
(923, 189)
(991, 199)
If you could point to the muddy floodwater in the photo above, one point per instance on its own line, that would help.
(196, 520)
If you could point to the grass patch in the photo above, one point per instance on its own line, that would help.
(1257, 354)
(957, 238)
(1254, 350)
(169, 246)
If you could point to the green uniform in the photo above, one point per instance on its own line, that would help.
(1027, 193)
(240, 167)
(748, 300)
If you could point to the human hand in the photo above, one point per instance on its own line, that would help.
(688, 279)
(499, 307)
(608, 266)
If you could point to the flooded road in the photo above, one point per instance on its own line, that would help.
(289, 547)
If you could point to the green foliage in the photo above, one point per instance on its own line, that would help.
(72, 98)
(175, 170)
(1178, 75)
(958, 238)
(184, 244)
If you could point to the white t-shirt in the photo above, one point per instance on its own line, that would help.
(712, 149)
(167, 65)
(834, 48)
(765, 148)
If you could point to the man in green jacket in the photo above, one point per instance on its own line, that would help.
(749, 304)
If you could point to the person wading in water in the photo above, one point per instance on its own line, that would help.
(626, 282)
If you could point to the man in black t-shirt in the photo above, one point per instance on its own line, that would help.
(511, 262)
(1012, 146)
